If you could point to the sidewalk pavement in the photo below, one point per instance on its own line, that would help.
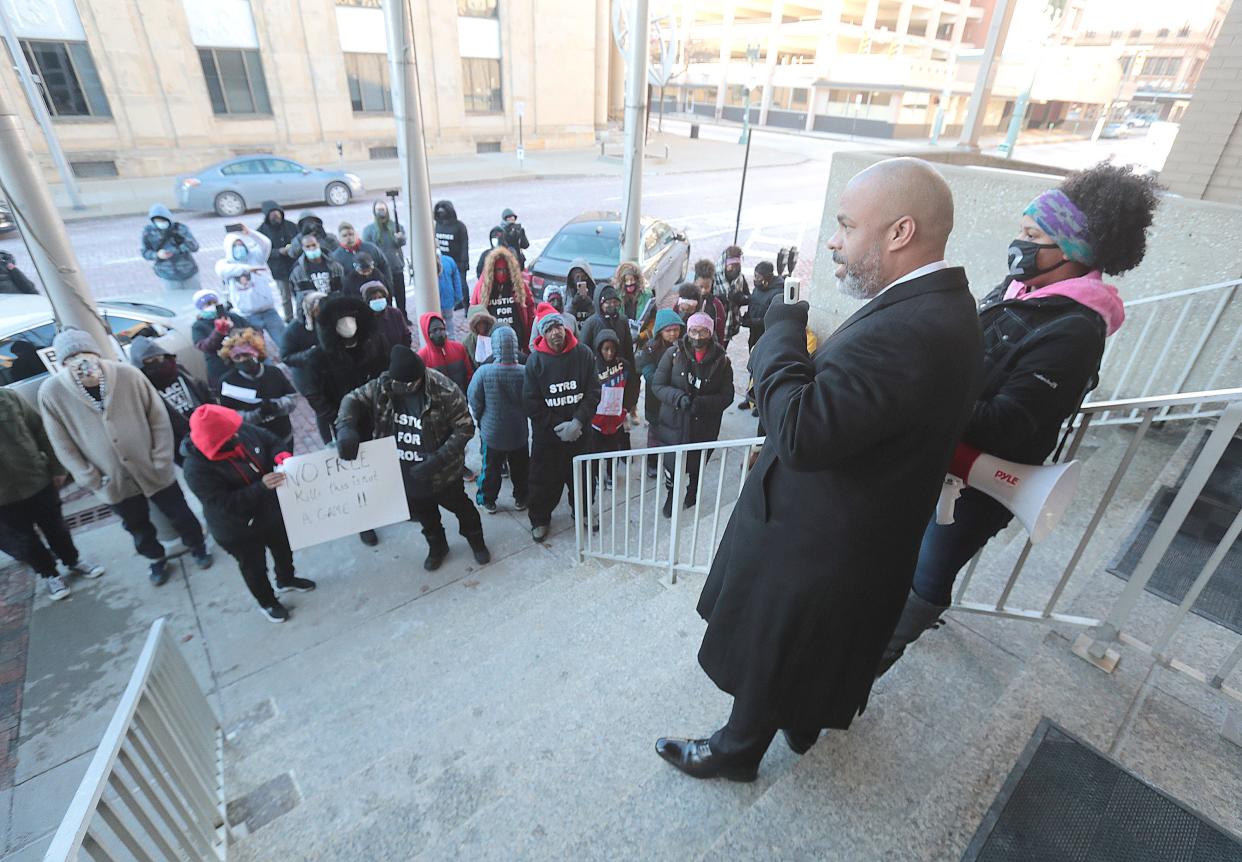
(666, 154)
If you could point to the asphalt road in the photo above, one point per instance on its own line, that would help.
(782, 207)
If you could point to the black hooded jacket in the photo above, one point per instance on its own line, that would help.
(452, 238)
(598, 322)
(280, 262)
(308, 222)
(336, 369)
(581, 307)
(237, 505)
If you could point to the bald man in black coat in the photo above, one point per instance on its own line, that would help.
(815, 565)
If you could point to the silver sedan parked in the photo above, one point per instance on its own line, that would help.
(231, 187)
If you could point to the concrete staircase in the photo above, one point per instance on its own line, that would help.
(511, 714)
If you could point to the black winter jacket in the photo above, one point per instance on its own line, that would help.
(238, 506)
(452, 238)
(336, 370)
(280, 262)
(761, 299)
(560, 387)
(693, 395)
(1040, 357)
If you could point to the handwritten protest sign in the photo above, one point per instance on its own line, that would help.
(325, 498)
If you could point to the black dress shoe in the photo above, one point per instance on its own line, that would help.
(695, 758)
(800, 743)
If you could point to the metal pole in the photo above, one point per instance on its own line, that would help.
(943, 108)
(737, 225)
(44, 232)
(39, 108)
(635, 130)
(407, 110)
(1002, 14)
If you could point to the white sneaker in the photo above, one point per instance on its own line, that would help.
(57, 588)
(84, 569)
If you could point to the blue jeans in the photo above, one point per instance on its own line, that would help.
(947, 548)
(270, 321)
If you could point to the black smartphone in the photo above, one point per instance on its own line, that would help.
(236, 227)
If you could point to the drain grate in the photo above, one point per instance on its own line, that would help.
(85, 519)
(1065, 801)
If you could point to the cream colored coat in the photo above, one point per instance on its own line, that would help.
(124, 451)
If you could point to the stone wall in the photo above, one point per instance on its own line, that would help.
(1191, 244)
(162, 121)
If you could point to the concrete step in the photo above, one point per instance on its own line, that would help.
(439, 756)
(585, 759)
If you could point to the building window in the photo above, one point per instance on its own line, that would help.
(1161, 67)
(1162, 33)
(368, 82)
(235, 81)
(480, 82)
(476, 8)
(1126, 63)
(67, 78)
(1183, 33)
(1136, 32)
(1114, 34)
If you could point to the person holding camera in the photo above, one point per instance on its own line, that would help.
(12, 279)
(386, 234)
(514, 235)
(170, 246)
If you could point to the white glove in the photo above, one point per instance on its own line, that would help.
(569, 431)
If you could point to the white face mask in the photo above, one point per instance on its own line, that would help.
(346, 327)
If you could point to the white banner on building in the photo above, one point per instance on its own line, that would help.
(324, 498)
(45, 19)
(221, 23)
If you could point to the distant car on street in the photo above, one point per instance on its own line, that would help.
(1114, 130)
(231, 187)
(27, 318)
(6, 218)
(595, 236)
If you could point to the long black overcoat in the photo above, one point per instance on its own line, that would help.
(818, 557)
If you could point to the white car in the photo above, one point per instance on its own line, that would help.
(27, 319)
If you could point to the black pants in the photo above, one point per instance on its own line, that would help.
(426, 510)
(20, 541)
(251, 558)
(749, 732)
(618, 441)
(551, 471)
(694, 463)
(136, 518)
(490, 478)
(947, 548)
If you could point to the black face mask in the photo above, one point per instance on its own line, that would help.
(251, 367)
(700, 343)
(438, 337)
(162, 373)
(1022, 254)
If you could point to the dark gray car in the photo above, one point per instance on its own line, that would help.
(231, 187)
(596, 236)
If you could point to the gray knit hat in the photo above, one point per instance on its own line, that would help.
(70, 341)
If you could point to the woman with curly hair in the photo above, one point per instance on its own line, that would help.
(502, 292)
(256, 389)
(1043, 337)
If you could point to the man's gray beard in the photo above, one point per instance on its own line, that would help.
(862, 281)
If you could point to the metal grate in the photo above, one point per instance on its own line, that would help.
(92, 517)
(1065, 801)
(1205, 526)
(377, 153)
(487, 146)
(94, 169)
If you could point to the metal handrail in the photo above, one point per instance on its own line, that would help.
(169, 788)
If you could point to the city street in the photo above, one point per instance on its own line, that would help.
(782, 207)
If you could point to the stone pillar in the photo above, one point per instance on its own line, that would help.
(726, 57)
(778, 9)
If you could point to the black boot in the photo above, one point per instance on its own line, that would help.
(482, 555)
(917, 617)
(667, 511)
(437, 550)
(691, 497)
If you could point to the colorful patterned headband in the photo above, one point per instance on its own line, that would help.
(1061, 219)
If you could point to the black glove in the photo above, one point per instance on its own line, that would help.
(683, 403)
(267, 408)
(347, 443)
(696, 408)
(779, 312)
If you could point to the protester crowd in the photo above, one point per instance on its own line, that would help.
(297, 312)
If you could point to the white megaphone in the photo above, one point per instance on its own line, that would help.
(1037, 495)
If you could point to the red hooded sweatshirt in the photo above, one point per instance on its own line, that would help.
(541, 311)
(451, 360)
